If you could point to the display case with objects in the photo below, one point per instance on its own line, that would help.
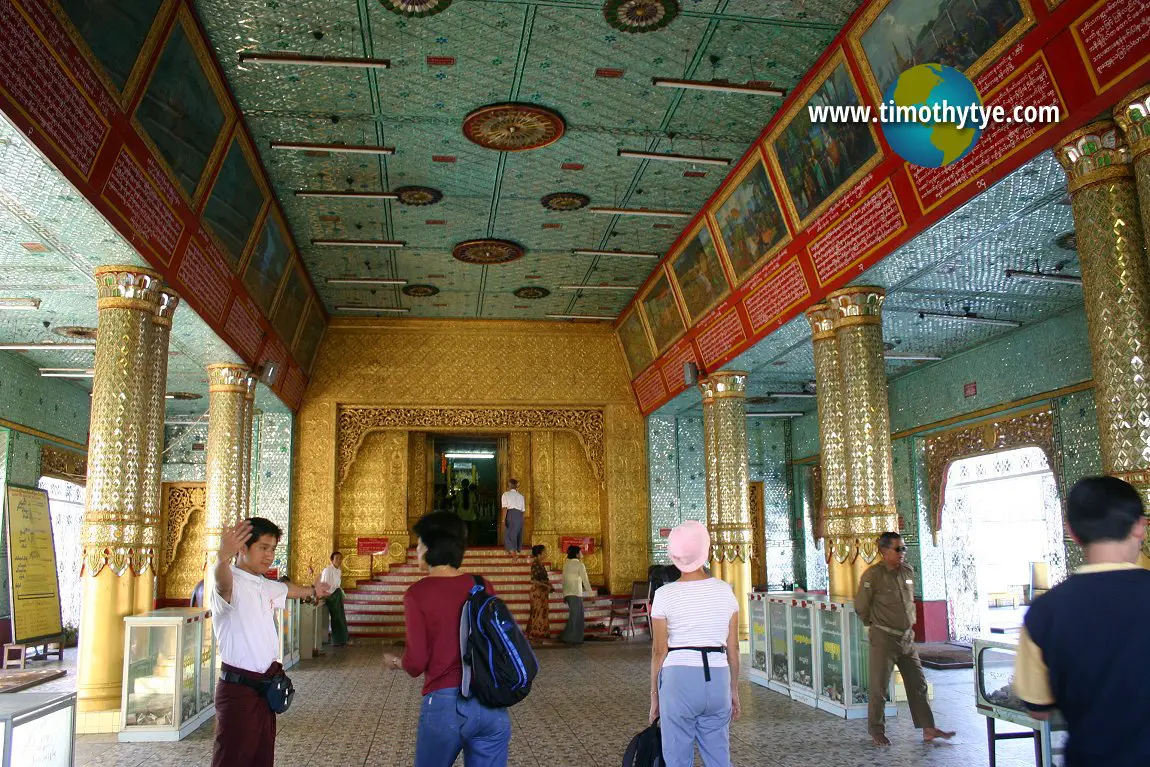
(37, 728)
(996, 699)
(169, 670)
(779, 631)
(844, 661)
(804, 685)
(287, 623)
(759, 646)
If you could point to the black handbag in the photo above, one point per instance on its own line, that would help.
(279, 693)
(645, 749)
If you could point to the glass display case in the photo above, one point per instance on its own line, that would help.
(169, 671)
(778, 625)
(996, 699)
(37, 728)
(287, 623)
(803, 685)
(758, 670)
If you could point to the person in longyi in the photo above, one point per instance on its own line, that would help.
(513, 510)
(243, 616)
(885, 604)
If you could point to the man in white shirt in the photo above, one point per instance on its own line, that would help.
(332, 576)
(513, 510)
(243, 607)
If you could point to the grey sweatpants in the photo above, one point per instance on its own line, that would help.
(692, 710)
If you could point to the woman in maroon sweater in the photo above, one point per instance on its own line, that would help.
(448, 723)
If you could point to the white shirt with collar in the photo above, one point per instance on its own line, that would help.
(513, 499)
(332, 576)
(245, 627)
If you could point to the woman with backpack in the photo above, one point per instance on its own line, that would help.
(448, 722)
(694, 655)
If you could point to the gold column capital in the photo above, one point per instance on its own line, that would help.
(127, 287)
(1093, 154)
(228, 377)
(166, 305)
(1133, 116)
(860, 305)
(724, 384)
(822, 320)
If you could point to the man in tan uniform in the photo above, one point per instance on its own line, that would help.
(885, 603)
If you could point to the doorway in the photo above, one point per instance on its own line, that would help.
(1002, 521)
(466, 480)
(66, 509)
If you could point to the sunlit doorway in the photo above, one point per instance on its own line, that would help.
(466, 481)
(66, 509)
(1001, 513)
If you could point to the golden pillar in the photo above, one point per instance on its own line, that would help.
(227, 395)
(832, 448)
(248, 445)
(160, 330)
(871, 507)
(1116, 287)
(725, 461)
(1133, 115)
(126, 297)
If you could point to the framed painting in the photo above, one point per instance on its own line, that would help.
(894, 35)
(635, 342)
(817, 161)
(236, 200)
(291, 304)
(310, 336)
(184, 111)
(268, 262)
(115, 36)
(749, 220)
(662, 313)
(698, 272)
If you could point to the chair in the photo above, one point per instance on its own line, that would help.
(638, 606)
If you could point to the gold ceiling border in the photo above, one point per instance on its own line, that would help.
(63, 464)
(355, 422)
(180, 500)
(1030, 428)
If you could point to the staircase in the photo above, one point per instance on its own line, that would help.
(375, 608)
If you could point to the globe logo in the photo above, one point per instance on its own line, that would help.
(940, 93)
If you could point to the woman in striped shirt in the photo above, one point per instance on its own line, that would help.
(694, 655)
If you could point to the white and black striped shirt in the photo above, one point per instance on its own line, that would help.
(698, 614)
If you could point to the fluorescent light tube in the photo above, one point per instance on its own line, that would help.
(598, 287)
(620, 253)
(468, 455)
(775, 415)
(399, 309)
(301, 146)
(912, 357)
(364, 281)
(361, 243)
(791, 395)
(1064, 279)
(349, 195)
(48, 347)
(579, 317)
(671, 157)
(67, 373)
(973, 319)
(299, 59)
(642, 212)
(712, 85)
(20, 304)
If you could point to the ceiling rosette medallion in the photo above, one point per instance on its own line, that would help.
(415, 8)
(418, 195)
(487, 252)
(635, 16)
(532, 293)
(420, 291)
(513, 127)
(564, 201)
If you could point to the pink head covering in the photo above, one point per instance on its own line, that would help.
(689, 546)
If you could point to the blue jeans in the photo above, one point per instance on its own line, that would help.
(693, 711)
(449, 724)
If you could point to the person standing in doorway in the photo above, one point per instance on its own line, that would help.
(694, 655)
(466, 501)
(243, 607)
(332, 576)
(576, 585)
(885, 604)
(514, 510)
(1083, 644)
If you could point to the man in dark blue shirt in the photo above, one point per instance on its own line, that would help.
(1084, 643)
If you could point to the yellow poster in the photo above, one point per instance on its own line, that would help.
(32, 566)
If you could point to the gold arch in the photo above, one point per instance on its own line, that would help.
(1030, 428)
(355, 422)
(180, 500)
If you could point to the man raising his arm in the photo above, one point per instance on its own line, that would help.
(243, 607)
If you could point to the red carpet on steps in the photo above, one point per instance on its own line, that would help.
(375, 608)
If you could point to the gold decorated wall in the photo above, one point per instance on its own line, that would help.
(577, 442)
(181, 556)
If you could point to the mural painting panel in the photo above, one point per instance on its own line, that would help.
(115, 31)
(698, 273)
(749, 221)
(636, 346)
(267, 264)
(662, 314)
(235, 202)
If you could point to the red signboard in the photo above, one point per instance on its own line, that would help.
(664, 532)
(368, 546)
(970, 389)
(586, 544)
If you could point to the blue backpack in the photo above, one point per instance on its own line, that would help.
(498, 663)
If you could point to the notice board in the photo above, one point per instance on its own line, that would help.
(35, 591)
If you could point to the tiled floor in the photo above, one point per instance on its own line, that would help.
(587, 704)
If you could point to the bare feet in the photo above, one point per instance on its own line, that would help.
(930, 734)
(880, 740)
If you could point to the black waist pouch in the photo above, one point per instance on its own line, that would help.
(279, 693)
